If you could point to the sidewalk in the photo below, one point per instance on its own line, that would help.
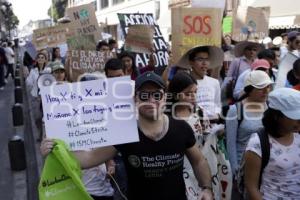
(12, 184)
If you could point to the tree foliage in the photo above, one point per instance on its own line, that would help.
(59, 7)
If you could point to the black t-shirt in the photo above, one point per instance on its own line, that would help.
(155, 168)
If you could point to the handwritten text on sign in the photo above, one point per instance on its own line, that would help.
(89, 114)
(161, 50)
(194, 27)
(84, 21)
(80, 62)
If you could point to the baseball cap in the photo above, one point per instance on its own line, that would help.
(293, 34)
(149, 77)
(258, 79)
(286, 100)
(56, 66)
(260, 63)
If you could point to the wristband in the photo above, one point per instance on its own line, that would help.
(205, 187)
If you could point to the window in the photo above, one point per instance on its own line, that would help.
(104, 4)
(117, 1)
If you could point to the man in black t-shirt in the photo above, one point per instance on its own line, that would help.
(154, 165)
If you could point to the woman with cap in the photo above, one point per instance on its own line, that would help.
(259, 64)
(293, 44)
(58, 71)
(244, 117)
(281, 177)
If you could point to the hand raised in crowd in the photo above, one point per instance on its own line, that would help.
(46, 146)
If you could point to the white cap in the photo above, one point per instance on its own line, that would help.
(286, 100)
(258, 79)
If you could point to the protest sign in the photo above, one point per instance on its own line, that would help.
(215, 153)
(194, 27)
(285, 65)
(91, 114)
(139, 39)
(84, 21)
(50, 36)
(81, 42)
(84, 61)
(250, 23)
(161, 50)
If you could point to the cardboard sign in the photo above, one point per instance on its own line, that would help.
(250, 23)
(194, 27)
(49, 37)
(285, 65)
(139, 39)
(161, 54)
(84, 21)
(91, 114)
(209, 4)
(82, 61)
(81, 42)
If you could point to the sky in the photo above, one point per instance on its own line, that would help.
(27, 10)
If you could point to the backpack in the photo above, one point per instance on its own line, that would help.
(265, 156)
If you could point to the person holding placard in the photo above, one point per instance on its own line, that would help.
(154, 164)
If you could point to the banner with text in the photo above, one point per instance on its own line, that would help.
(84, 21)
(194, 27)
(84, 61)
(91, 114)
(250, 23)
(139, 39)
(50, 36)
(161, 50)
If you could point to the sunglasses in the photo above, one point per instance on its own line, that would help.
(145, 96)
(200, 59)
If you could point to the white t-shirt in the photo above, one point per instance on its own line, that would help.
(209, 96)
(96, 182)
(9, 55)
(281, 177)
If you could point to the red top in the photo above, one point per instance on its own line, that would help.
(297, 87)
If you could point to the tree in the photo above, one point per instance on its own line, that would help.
(59, 7)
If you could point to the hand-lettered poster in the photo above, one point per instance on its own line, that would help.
(85, 61)
(91, 114)
(161, 50)
(195, 27)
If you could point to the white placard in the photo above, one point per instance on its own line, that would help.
(91, 114)
(284, 67)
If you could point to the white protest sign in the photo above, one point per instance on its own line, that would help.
(284, 67)
(91, 114)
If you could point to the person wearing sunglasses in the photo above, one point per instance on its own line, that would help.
(154, 164)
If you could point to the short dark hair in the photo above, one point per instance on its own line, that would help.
(113, 64)
(193, 54)
(266, 53)
(270, 121)
(296, 66)
(101, 44)
(112, 41)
